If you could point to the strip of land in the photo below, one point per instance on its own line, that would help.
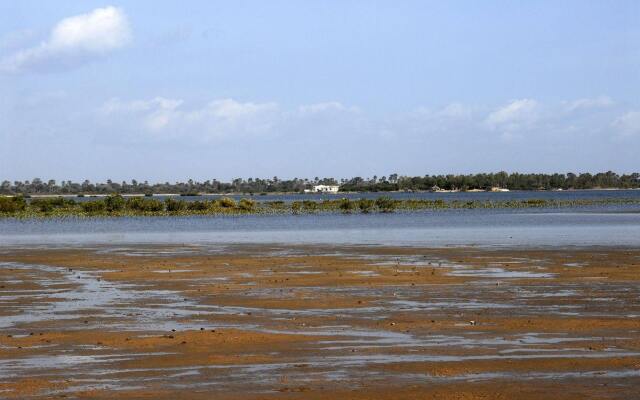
(119, 206)
(276, 321)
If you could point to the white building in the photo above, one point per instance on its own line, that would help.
(325, 189)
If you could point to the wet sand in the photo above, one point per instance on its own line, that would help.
(263, 322)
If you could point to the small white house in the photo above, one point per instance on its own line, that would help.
(325, 189)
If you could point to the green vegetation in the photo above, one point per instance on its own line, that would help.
(514, 181)
(386, 204)
(393, 182)
(365, 205)
(116, 205)
(114, 202)
(246, 204)
(12, 204)
(346, 205)
(92, 207)
(227, 202)
(173, 206)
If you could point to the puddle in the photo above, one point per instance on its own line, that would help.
(495, 272)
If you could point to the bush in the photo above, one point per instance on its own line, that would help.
(386, 204)
(43, 206)
(48, 204)
(309, 205)
(142, 204)
(197, 205)
(12, 204)
(536, 202)
(246, 204)
(295, 207)
(346, 205)
(365, 205)
(94, 206)
(276, 205)
(227, 202)
(114, 202)
(174, 205)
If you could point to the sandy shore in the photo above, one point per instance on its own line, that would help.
(263, 322)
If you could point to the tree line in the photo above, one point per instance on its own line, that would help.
(394, 182)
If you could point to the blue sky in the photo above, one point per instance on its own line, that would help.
(166, 90)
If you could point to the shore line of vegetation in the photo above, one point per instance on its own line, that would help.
(119, 206)
(390, 183)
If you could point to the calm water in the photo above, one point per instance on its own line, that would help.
(603, 225)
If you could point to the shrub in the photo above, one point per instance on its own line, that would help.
(43, 206)
(386, 204)
(309, 205)
(174, 205)
(114, 202)
(295, 207)
(142, 204)
(277, 204)
(536, 202)
(227, 202)
(346, 205)
(94, 206)
(197, 205)
(365, 205)
(12, 204)
(48, 204)
(246, 204)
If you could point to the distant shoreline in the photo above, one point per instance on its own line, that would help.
(262, 194)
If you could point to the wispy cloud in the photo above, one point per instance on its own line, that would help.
(515, 117)
(73, 41)
(589, 103)
(164, 119)
(169, 118)
(628, 124)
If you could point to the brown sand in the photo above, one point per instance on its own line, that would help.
(263, 322)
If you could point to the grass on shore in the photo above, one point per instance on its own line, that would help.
(117, 206)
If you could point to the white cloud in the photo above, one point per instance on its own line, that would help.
(226, 119)
(588, 103)
(168, 118)
(514, 118)
(330, 106)
(628, 124)
(514, 113)
(74, 40)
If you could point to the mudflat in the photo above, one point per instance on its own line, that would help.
(315, 322)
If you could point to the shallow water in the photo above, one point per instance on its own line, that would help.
(605, 225)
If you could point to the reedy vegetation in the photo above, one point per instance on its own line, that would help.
(116, 205)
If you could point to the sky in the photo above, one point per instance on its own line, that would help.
(172, 90)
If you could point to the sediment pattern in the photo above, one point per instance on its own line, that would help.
(174, 322)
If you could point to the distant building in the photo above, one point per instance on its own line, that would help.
(499, 189)
(324, 189)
